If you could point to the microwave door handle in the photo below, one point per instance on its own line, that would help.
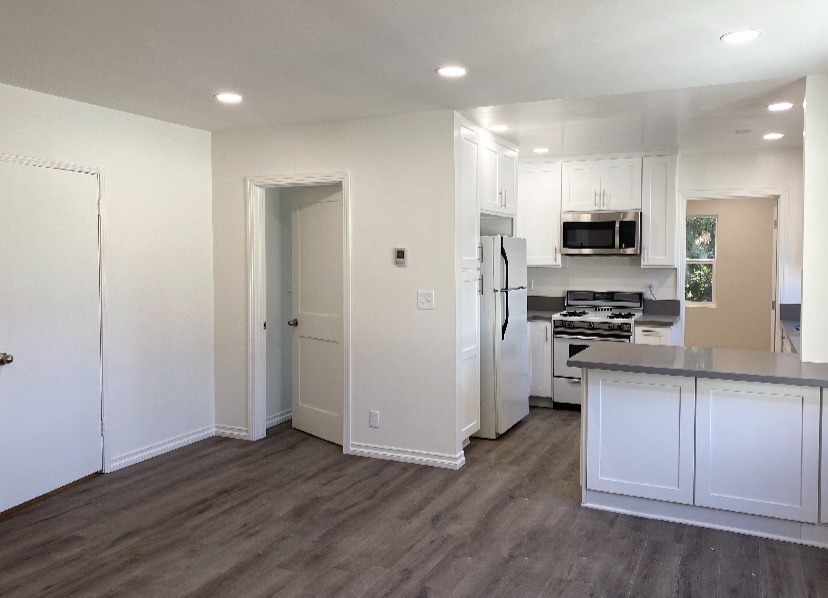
(618, 234)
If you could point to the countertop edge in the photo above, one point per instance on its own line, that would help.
(662, 371)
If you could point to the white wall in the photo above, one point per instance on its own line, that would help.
(158, 368)
(610, 273)
(756, 170)
(402, 195)
(815, 241)
(278, 250)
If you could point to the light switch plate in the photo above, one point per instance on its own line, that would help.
(425, 299)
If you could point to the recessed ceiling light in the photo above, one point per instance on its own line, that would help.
(452, 71)
(498, 128)
(541, 150)
(742, 37)
(228, 97)
(772, 136)
(780, 106)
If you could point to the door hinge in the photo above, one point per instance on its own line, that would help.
(265, 325)
(773, 305)
(480, 253)
(103, 429)
(480, 284)
(775, 224)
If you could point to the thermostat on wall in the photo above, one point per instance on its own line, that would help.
(399, 256)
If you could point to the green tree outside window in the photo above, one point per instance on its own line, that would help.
(701, 259)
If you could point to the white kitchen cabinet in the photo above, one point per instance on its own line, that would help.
(470, 353)
(540, 358)
(539, 213)
(823, 508)
(651, 335)
(659, 212)
(640, 435)
(601, 185)
(499, 179)
(757, 448)
(468, 183)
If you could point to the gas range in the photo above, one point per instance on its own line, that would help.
(599, 313)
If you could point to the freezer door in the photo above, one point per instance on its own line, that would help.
(515, 250)
(512, 361)
(489, 338)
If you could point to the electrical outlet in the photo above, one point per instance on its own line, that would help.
(373, 419)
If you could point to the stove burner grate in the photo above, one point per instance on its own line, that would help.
(621, 316)
(573, 314)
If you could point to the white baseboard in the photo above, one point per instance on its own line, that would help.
(160, 448)
(279, 418)
(408, 456)
(232, 432)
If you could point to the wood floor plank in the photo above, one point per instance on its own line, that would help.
(292, 516)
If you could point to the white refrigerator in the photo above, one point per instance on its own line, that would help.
(504, 339)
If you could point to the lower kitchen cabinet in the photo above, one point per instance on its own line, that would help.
(640, 435)
(757, 448)
(470, 353)
(540, 359)
(651, 335)
(823, 508)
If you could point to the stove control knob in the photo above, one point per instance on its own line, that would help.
(591, 325)
(611, 327)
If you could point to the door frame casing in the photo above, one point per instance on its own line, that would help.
(781, 214)
(255, 188)
(98, 173)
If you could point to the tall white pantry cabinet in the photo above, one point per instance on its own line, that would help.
(485, 182)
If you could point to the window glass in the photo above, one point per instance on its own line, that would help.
(701, 237)
(698, 283)
(700, 267)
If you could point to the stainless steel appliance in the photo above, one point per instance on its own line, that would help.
(590, 317)
(601, 233)
(504, 341)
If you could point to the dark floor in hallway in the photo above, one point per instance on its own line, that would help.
(292, 516)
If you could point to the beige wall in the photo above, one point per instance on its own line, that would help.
(815, 239)
(402, 195)
(743, 277)
(158, 327)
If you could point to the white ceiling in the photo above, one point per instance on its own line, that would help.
(313, 60)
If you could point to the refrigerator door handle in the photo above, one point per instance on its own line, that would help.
(506, 320)
(505, 261)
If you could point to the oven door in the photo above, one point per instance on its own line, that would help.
(566, 347)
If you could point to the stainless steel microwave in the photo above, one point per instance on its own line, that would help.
(601, 233)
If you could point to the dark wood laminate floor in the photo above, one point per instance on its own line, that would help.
(292, 516)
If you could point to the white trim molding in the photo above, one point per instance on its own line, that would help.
(236, 432)
(279, 418)
(159, 448)
(257, 421)
(391, 453)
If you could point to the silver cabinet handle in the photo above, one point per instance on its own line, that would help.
(646, 255)
(575, 381)
(650, 333)
(293, 323)
(5, 359)
(596, 199)
(604, 197)
(546, 333)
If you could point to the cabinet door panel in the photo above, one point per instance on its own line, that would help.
(507, 179)
(470, 353)
(621, 184)
(640, 435)
(540, 350)
(823, 509)
(581, 186)
(757, 449)
(652, 336)
(659, 213)
(539, 214)
(469, 183)
(490, 191)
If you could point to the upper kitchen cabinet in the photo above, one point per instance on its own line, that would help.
(539, 213)
(468, 185)
(601, 185)
(659, 213)
(499, 172)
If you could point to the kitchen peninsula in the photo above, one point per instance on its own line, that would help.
(713, 437)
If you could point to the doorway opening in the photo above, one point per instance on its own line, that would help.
(730, 271)
(299, 305)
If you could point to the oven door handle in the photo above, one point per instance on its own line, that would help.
(591, 338)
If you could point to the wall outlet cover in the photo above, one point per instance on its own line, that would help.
(425, 299)
(373, 419)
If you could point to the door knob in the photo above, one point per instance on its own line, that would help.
(5, 358)
(293, 323)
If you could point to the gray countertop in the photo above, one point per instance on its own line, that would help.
(702, 362)
(789, 326)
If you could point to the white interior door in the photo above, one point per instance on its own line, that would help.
(318, 350)
(50, 394)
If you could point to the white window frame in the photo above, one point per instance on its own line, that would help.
(712, 262)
